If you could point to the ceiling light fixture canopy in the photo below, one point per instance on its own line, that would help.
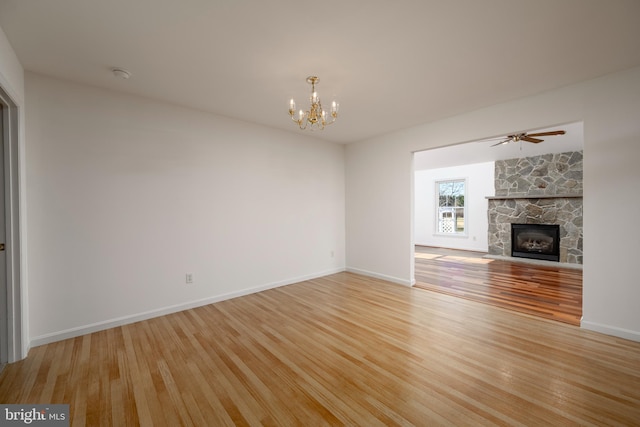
(315, 117)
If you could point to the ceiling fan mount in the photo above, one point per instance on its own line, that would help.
(528, 137)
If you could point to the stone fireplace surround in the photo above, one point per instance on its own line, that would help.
(545, 189)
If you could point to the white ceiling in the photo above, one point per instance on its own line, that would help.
(390, 64)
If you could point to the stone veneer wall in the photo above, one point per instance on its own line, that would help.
(544, 189)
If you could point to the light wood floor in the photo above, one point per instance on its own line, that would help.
(339, 350)
(548, 291)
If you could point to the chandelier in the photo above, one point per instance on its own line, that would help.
(315, 117)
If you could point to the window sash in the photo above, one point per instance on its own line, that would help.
(451, 209)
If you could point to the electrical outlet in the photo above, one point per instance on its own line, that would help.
(189, 278)
(332, 254)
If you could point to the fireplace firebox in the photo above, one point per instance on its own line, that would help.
(536, 241)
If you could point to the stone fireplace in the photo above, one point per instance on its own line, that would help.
(541, 190)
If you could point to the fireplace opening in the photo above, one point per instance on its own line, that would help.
(535, 241)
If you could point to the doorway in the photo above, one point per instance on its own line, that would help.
(4, 321)
(11, 322)
(457, 272)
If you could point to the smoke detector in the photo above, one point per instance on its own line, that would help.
(121, 73)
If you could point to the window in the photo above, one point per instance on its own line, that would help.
(451, 209)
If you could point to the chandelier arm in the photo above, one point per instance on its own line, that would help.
(333, 115)
(303, 119)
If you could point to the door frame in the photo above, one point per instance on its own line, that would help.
(13, 253)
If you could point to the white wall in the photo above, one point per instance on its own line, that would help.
(379, 223)
(480, 184)
(127, 195)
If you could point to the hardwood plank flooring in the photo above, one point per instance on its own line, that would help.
(550, 291)
(339, 350)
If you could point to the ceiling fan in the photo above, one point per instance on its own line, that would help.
(529, 137)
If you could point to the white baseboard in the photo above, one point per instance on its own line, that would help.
(125, 320)
(611, 330)
(382, 276)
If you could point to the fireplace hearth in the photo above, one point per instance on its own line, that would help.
(536, 241)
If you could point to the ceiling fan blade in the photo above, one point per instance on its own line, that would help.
(529, 139)
(506, 141)
(555, 132)
(492, 139)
